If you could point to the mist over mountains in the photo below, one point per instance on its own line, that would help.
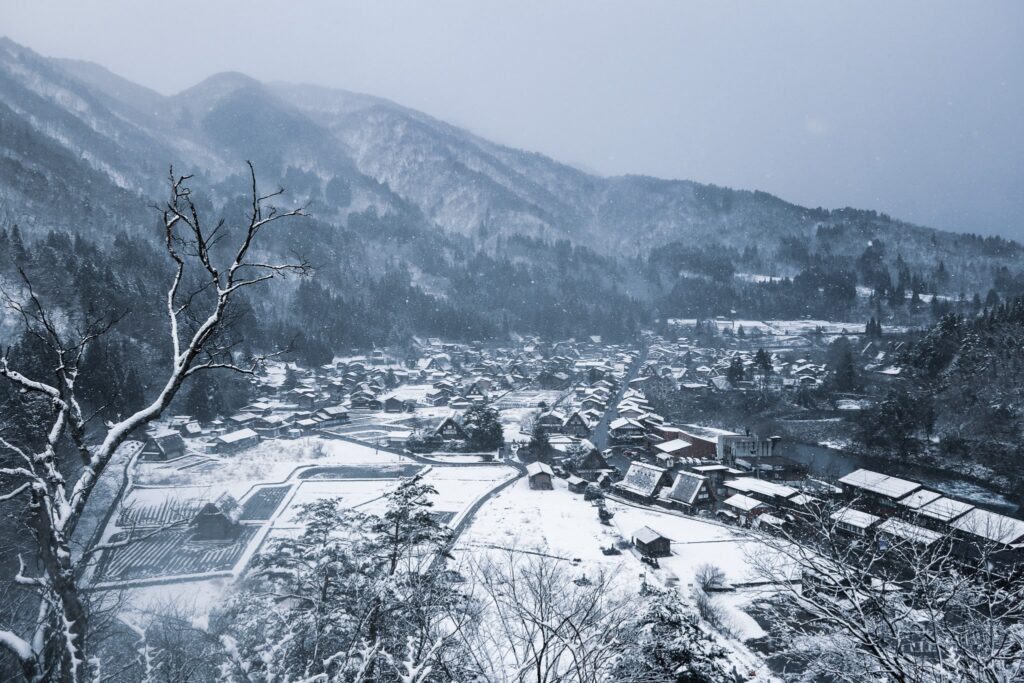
(510, 239)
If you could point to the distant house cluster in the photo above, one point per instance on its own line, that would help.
(908, 511)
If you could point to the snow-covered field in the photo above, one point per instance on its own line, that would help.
(272, 460)
(298, 472)
(562, 525)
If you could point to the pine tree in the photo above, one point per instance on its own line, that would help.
(842, 373)
(483, 429)
(763, 361)
(363, 595)
(19, 254)
(735, 373)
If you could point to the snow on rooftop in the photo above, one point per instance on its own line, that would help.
(741, 502)
(238, 435)
(909, 532)
(646, 534)
(854, 518)
(535, 468)
(918, 499)
(641, 478)
(945, 509)
(878, 483)
(766, 488)
(673, 446)
(991, 526)
(710, 468)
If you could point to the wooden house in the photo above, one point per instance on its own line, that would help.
(393, 404)
(235, 441)
(165, 446)
(689, 493)
(217, 521)
(576, 425)
(624, 430)
(642, 482)
(332, 416)
(650, 543)
(577, 484)
(854, 522)
(449, 429)
(436, 397)
(540, 476)
(744, 508)
(592, 465)
(272, 426)
(191, 430)
(879, 492)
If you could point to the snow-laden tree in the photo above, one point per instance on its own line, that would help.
(353, 597)
(56, 479)
(483, 429)
(668, 642)
(903, 603)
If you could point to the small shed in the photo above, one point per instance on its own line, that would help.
(217, 521)
(540, 476)
(577, 484)
(650, 543)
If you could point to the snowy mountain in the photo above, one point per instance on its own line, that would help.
(83, 149)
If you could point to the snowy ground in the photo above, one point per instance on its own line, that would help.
(517, 423)
(564, 526)
(272, 460)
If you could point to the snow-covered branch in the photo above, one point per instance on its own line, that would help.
(56, 503)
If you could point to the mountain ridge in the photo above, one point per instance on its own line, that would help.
(350, 153)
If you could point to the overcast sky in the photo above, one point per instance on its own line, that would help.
(912, 108)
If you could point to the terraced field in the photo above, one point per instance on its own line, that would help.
(262, 504)
(167, 512)
(171, 553)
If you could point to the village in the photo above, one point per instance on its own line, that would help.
(582, 470)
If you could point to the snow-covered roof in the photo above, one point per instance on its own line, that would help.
(710, 468)
(646, 534)
(685, 487)
(641, 478)
(673, 446)
(762, 486)
(854, 518)
(880, 484)
(919, 499)
(238, 435)
(770, 519)
(909, 532)
(741, 502)
(991, 526)
(945, 509)
(624, 422)
(535, 468)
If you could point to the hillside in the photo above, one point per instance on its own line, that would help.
(86, 152)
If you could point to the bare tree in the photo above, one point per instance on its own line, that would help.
(197, 318)
(538, 624)
(900, 602)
